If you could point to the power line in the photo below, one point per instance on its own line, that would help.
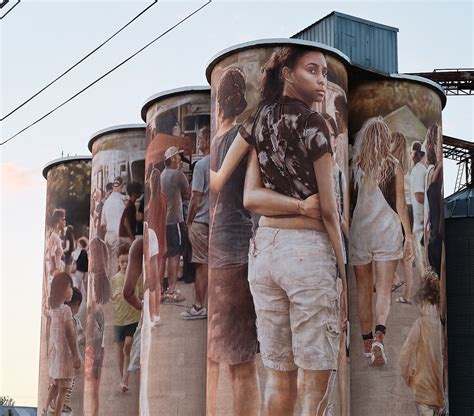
(9, 10)
(78, 62)
(106, 74)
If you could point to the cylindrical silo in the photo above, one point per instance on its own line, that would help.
(174, 334)
(278, 229)
(113, 341)
(65, 259)
(397, 289)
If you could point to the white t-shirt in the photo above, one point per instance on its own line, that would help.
(417, 176)
(112, 212)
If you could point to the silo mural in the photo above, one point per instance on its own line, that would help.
(64, 284)
(397, 292)
(112, 356)
(279, 212)
(175, 247)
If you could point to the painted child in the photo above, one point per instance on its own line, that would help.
(63, 354)
(126, 318)
(421, 357)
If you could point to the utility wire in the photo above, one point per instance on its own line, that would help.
(106, 74)
(9, 10)
(78, 62)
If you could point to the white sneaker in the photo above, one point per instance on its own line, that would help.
(156, 321)
(194, 313)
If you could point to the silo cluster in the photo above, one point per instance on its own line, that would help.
(273, 243)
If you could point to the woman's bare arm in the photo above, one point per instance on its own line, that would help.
(267, 202)
(323, 168)
(134, 269)
(402, 211)
(236, 152)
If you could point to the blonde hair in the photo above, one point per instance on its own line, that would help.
(373, 155)
(399, 151)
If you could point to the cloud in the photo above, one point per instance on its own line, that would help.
(16, 178)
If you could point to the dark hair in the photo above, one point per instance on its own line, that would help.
(418, 155)
(134, 188)
(83, 242)
(58, 287)
(271, 83)
(168, 162)
(123, 249)
(432, 136)
(231, 93)
(76, 297)
(109, 186)
(69, 232)
(429, 288)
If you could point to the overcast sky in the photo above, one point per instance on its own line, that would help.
(40, 39)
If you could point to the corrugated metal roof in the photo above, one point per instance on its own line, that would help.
(369, 44)
(17, 411)
(460, 204)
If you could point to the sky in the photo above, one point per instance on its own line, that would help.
(41, 39)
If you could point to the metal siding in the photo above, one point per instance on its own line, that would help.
(365, 44)
(459, 244)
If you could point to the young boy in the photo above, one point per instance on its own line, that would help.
(126, 317)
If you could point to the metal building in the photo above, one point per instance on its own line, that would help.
(459, 224)
(368, 44)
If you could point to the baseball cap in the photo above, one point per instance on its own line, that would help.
(171, 151)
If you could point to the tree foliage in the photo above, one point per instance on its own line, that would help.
(6, 401)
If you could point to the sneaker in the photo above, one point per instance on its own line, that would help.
(368, 348)
(156, 321)
(194, 313)
(378, 357)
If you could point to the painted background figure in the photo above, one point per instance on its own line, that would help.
(397, 248)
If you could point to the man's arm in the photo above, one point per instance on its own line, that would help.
(193, 206)
(184, 185)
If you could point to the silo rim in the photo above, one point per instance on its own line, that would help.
(271, 42)
(423, 80)
(114, 129)
(170, 93)
(59, 161)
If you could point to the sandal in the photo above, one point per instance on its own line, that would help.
(397, 286)
(174, 296)
(123, 387)
(403, 299)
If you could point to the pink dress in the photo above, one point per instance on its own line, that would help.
(59, 354)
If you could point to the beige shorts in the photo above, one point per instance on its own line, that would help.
(364, 251)
(199, 237)
(292, 276)
(62, 382)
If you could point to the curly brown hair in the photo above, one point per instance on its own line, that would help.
(429, 288)
(231, 93)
